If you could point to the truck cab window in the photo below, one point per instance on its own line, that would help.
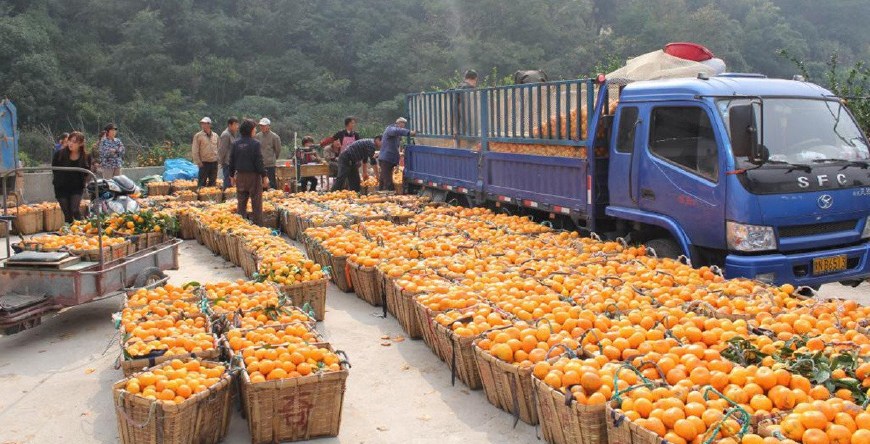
(684, 136)
(627, 125)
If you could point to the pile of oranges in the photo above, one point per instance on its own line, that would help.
(72, 242)
(531, 294)
(176, 381)
(288, 361)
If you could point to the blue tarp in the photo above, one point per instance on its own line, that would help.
(175, 169)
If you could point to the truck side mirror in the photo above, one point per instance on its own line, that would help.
(744, 133)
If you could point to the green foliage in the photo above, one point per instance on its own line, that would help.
(851, 83)
(156, 67)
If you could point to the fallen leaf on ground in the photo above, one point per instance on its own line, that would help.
(88, 371)
(399, 339)
(385, 337)
(386, 344)
(382, 429)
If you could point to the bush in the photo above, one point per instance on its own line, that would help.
(157, 154)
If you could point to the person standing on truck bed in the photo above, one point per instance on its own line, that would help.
(69, 185)
(228, 137)
(270, 144)
(469, 82)
(111, 152)
(248, 173)
(389, 156)
(205, 153)
(361, 151)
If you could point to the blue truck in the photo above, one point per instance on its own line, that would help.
(766, 178)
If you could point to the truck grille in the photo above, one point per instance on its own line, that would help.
(821, 228)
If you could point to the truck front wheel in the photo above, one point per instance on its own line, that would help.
(665, 248)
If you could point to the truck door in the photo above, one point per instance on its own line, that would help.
(680, 171)
(622, 178)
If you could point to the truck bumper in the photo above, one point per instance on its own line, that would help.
(798, 268)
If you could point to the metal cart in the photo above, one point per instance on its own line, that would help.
(28, 292)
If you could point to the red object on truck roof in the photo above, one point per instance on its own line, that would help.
(688, 51)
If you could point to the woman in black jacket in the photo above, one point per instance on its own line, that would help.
(69, 185)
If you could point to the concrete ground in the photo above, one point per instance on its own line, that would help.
(55, 379)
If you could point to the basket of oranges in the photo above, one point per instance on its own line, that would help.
(176, 402)
(158, 188)
(293, 392)
(29, 219)
(210, 194)
(52, 217)
(364, 279)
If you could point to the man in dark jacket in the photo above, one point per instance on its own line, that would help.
(389, 156)
(228, 137)
(249, 174)
(348, 163)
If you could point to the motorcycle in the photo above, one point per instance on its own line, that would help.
(112, 196)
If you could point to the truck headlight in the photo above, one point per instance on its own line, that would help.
(866, 233)
(744, 237)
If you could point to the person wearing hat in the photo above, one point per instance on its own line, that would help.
(111, 153)
(205, 153)
(270, 144)
(389, 156)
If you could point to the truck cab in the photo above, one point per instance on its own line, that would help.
(767, 178)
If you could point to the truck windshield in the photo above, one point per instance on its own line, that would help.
(804, 131)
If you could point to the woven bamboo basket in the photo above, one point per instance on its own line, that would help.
(176, 188)
(158, 188)
(210, 197)
(52, 219)
(289, 224)
(110, 252)
(619, 428)
(209, 236)
(312, 293)
(187, 226)
(229, 194)
(507, 386)
(197, 231)
(140, 241)
(4, 230)
(339, 272)
(391, 296)
(426, 320)
(186, 198)
(459, 353)
(564, 421)
(223, 243)
(248, 262)
(155, 238)
(203, 418)
(28, 223)
(365, 283)
(270, 219)
(294, 409)
(406, 312)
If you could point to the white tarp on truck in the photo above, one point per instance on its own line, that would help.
(659, 65)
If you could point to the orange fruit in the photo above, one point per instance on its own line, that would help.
(814, 419)
(815, 436)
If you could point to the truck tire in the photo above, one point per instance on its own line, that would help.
(148, 276)
(665, 248)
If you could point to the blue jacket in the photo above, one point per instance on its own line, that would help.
(390, 142)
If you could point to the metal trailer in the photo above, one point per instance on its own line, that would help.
(27, 293)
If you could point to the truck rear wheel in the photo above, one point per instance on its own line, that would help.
(665, 248)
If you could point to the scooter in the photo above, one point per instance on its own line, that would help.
(112, 196)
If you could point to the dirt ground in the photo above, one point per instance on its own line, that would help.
(55, 379)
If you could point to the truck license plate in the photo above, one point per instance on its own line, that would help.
(831, 264)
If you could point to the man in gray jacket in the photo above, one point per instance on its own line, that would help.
(230, 135)
(270, 144)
